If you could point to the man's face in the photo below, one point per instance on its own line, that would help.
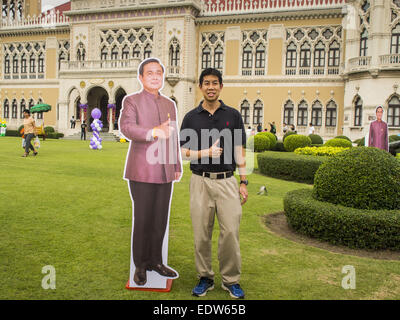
(379, 113)
(152, 78)
(211, 88)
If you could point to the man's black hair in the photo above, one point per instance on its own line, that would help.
(210, 72)
(141, 68)
(27, 111)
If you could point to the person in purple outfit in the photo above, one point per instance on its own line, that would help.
(378, 131)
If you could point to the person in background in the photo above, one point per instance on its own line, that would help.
(248, 132)
(273, 127)
(73, 121)
(293, 128)
(285, 128)
(29, 132)
(83, 130)
(311, 128)
(259, 127)
(378, 131)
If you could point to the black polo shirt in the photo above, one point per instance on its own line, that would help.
(200, 129)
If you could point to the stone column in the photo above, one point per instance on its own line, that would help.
(63, 116)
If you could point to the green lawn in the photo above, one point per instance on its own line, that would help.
(70, 208)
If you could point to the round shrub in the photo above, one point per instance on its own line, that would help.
(343, 137)
(355, 228)
(363, 178)
(295, 141)
(260, 143)
(48, 130)
(319, 151)
(360, 142)
(336, 142)
(272, 138)
(316, 139)
(289, 133)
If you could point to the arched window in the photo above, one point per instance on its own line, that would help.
(291, 55)
(22, 107)
(364, 43)
(394, 112)
(247, 58)
(15, 64)
(14, 109)
(23, 64)
(258, 112)
(331, 114)
(147, 51)
(174, 53)
(302, 114)
(104, 53)
(32, 64)
(31, 104)
(41, 63)
(245, 111)
(125, 52)
(358, 105)
(206, 58)
(288, 112)
(305, 55)
(319, 55)
(39, 114)
(395, 45)
(114, 53)
(218, 55)
(334, 54)
(136, 52)
(6, 112)
(316, 114)
(7, 64)
(260, 56)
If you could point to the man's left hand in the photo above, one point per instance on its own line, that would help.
(243, 192)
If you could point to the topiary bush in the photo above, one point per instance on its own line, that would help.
(338, 142)
(287, 134)
(272, 138)
(48, 130)
(360, 142)
(260, 143)
(355, 228)
(316, 139)
(343, 137)
(279, 147)
(293, 142)
(363, 178)
(289, 166)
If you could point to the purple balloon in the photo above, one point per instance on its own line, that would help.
(96, 113)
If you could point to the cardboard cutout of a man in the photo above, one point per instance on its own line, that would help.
(378, 131)
(153, 163)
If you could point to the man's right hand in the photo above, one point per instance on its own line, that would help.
(164, 130)
(214, 151)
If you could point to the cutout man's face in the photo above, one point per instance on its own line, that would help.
(152, 78)
(379, 113)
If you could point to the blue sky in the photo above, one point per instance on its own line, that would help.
(48, 4)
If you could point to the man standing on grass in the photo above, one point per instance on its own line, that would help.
(29, 133)
(212, 137)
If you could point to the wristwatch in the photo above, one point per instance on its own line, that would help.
(245, 182)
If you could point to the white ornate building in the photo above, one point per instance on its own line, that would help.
(329, 62)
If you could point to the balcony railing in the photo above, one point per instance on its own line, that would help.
(46, 21)
(95, 65)
(229, 7)
(390, 60)
(359, 63)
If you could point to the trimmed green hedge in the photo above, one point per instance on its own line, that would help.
(355, 228)
(289, 133)
(289, 166)
(343, 137)
(339, 142)
(260, 143)
(295, 141)
(362, 177)
(272, 138)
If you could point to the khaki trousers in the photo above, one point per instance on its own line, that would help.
(220, 197)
